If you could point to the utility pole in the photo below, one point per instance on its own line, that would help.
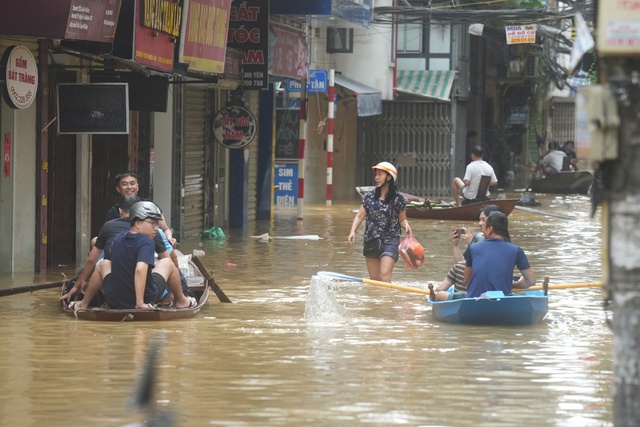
(618, 46)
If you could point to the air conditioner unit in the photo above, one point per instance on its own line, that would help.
(531, 67)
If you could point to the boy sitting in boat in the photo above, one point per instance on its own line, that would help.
(132, 278)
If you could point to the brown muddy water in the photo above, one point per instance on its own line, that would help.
(297, 350)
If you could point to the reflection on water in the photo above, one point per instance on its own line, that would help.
(295, 349)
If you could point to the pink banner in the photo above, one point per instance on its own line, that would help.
(290, 54)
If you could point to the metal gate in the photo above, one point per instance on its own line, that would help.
(193, 200)
(61, 242)
(563, 121)
(414, 136)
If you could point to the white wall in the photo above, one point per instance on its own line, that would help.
(24, 162)
(18, 192)
(163, 158)
(371, 61)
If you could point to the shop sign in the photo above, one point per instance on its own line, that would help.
(249, 32)
(234, 127)
(290, 54)
(204, 39)
(285, 179)
(161, 15)
(21, 77)
(155, 45)
(92, 20)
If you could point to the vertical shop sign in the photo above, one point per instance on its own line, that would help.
(157, 29)
(286, 185)
(249, 32)
(204, 40)
(7, 154)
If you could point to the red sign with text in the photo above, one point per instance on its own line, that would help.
(154, 47)
(204, 38)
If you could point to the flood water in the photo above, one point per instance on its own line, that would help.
(297, 350)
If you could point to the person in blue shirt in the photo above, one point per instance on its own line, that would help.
(490, 263)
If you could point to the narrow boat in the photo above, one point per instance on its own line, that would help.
(470, 212)
(199, 284)
(494, 308)
(421, 208)
(564, 182)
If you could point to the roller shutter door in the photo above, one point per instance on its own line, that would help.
(193, 198)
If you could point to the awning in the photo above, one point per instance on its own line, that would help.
(427, 83)
(369, 99)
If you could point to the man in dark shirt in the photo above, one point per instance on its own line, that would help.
(132, 278)
(103, 243)
(127, 185)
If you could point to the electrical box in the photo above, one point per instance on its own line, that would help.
(597, 123)
(618, 28)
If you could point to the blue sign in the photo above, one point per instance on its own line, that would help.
(285, 178)
(318, 82)
(294, 104)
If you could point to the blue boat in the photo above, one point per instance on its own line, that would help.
(494, 308)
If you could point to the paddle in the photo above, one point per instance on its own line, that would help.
(332, 275)
(209, 277)
(562, 286)
(30, 288)
(523, 208)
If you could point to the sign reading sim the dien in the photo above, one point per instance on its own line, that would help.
(285, 179)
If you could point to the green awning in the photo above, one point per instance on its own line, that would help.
(428, 83)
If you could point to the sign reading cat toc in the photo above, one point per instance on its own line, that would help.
(21, 77)
(234, 127)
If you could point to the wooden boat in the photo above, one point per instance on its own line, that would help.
(564, 182)
(199, 284)
(469, 212)
(410, 198)
(417, 208)
(494, 308)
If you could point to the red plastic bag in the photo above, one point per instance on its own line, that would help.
(411, 252)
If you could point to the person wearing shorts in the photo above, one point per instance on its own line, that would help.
(132, 278)
(385, 212)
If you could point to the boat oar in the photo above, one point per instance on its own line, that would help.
(562, 286)
(30, 288)
(209, 278)
(523, 208)
(332, 275)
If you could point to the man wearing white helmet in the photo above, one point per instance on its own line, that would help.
(384, 210)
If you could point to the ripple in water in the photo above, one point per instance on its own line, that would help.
(322, 304)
